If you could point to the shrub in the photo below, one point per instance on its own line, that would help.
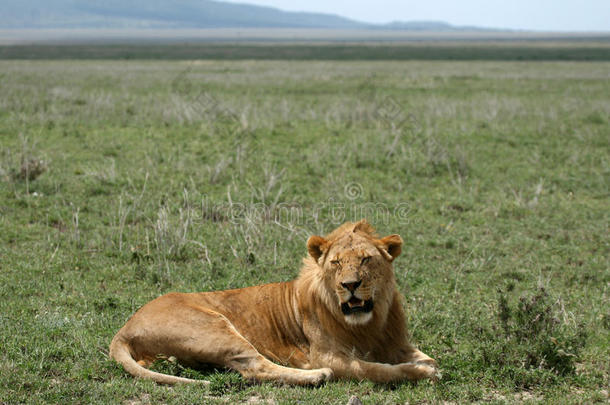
(531, 345)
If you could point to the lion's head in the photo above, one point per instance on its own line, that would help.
(354, 267)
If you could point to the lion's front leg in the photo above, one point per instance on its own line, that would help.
(349, 367)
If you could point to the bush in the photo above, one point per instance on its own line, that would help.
(531, 345)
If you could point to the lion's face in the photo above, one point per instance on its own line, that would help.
(357, 268)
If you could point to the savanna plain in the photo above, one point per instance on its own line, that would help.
(124, 180)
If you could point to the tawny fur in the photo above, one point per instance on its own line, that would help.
(293, 332)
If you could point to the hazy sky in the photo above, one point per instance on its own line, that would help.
(555, 15)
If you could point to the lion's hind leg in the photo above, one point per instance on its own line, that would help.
(218, 342)
(122, 352)
(194, 334)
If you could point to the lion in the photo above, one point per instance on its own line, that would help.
(342, 317)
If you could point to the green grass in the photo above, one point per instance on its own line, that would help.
(121, 181)
(460, 50)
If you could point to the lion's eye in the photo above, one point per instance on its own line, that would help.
(334, 262)
(365, 260)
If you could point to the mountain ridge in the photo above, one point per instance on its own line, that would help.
(180, 14)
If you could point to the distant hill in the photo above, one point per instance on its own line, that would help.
(436, 26)
(158, 14)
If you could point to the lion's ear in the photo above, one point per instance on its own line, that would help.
(391, 246)
(316, 245)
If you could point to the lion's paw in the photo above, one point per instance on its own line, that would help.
(322, 375)
(431, 371)
(418, 371)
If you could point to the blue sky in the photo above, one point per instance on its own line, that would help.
(553, 15)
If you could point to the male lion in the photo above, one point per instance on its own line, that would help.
(342, 317)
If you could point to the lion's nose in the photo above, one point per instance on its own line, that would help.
(351, 286)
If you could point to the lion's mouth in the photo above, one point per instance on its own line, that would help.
(356, 305)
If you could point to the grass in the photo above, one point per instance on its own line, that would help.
(121, 181)
(460, 50)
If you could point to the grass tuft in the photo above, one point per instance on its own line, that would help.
(24, 164)
(529, 344)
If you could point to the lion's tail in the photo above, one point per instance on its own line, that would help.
(119, 350)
